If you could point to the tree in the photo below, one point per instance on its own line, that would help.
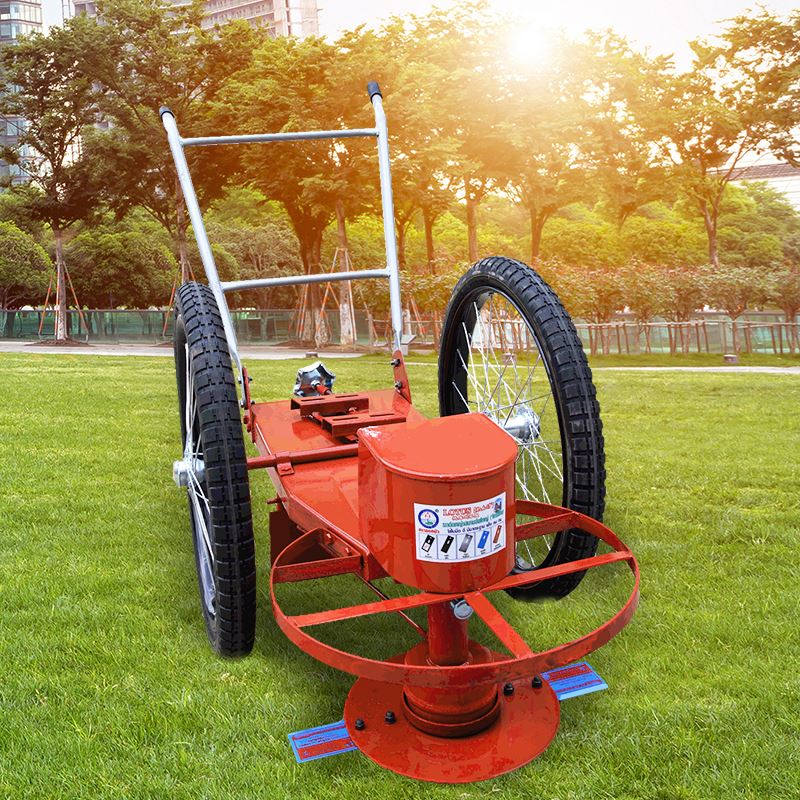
(575, 236)
(706, 121)
(766, 47)
(629, 171)
(421, 149)
(24, 271)
(686, 290)
(265, 251)
(662, 237)
(755, 221)
(46, 86)
(783, 289)
(456, 55)
(593, 295)
(113, 268)
(545, 142)
(734, 290)
(145, 54)
(644, 292)
(296, 85)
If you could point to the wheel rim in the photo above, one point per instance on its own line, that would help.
(501, 372)
(196, 487)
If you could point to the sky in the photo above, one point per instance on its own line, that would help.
(661, 27)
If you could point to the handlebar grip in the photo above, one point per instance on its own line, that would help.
(373, 89)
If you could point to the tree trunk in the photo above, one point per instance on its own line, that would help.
(790, 315)
(537, 226)
(11, 313)
(321, 331)
(427, 221)
(347, 333)
(180, 232)
(472, 226)
(735, 334)
(61, 287)
(710, 222)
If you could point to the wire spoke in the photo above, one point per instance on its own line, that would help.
(503, 380)
(200, 521)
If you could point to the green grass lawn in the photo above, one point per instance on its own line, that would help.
(109, 689)
(425, 355)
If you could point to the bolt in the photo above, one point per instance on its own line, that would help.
(395, 362)
(508, 689)
(536, 682)
(390, 718)
(398, 385)
(360, 724)
(461, 609)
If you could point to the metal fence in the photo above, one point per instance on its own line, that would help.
(131, 326)
(756, 332)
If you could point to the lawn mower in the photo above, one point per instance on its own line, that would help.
(369, 487)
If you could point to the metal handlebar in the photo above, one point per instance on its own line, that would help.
(380, 132)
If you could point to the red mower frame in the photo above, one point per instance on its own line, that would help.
(351, 471)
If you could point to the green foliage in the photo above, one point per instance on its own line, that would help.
(586, 242)
(668, 241)
(755, 221)
(686, 291)
(599, 158)
(591, 294)
(112, 268)
(60, 104)
(24, 268)
(17, 206)
(735, 289)
(783, 289)
(645, 290)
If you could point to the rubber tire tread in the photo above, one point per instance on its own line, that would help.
(231, 629)
(574, 392)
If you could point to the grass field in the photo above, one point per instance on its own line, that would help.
(109, 690)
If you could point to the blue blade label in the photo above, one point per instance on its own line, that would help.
(326, 740)
(574, 680)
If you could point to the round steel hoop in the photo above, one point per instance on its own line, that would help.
(509, 669)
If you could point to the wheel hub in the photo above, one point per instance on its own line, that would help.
(524, 425)
(184, 468)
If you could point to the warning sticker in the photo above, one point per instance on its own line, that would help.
(326, 740)
(574, 680)
(460, 533)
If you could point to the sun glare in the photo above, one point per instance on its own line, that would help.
(529, 46)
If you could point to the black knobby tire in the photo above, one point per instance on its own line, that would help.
(229, 614)
(582, 484)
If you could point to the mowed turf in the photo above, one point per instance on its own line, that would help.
(109, 689)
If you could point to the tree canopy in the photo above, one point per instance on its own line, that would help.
(608, 166)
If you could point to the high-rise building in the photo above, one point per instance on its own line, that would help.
(282, 17)
(16, 19)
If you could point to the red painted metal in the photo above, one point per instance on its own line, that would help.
(527, 722)
(346, 494)
(467, 675)
(303, 456)
(457, 461)
(330, 404)
(348, 424)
